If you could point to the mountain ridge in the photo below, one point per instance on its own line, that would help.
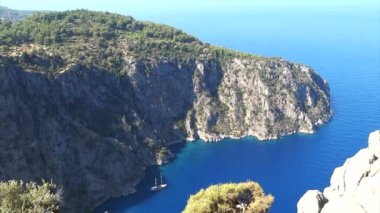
(14, 15)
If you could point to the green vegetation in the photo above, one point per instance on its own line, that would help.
(232, 197)
(17, 196)
(98, 39)
(163, 151)
(180, 124)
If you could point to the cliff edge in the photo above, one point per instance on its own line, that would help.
(354, 187)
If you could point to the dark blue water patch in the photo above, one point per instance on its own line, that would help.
(341, 45)
(143, 188)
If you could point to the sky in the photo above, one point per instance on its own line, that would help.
(141, 7)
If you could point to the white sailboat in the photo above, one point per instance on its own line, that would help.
(157, 187)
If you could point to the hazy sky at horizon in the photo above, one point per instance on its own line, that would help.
(141, 7)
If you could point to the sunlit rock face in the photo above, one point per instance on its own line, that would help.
(354, 187)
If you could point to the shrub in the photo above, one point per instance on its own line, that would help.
(246, 197)
(17, 196)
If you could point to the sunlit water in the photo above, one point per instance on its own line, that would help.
(342, 45)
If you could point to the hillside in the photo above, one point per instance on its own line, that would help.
(13, 15)
(89, 99)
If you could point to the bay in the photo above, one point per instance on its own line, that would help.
(341, 44)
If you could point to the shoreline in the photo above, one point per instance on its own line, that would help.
(219, 139)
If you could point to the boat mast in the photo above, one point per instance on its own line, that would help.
(161, 179)
(155, 181)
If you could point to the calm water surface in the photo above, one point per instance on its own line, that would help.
(342, 45)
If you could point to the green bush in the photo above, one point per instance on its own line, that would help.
(230, 197)
(17, 196)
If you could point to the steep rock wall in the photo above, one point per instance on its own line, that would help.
(93, 132)
(354, 187)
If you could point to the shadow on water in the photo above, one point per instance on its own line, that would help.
(143, 192)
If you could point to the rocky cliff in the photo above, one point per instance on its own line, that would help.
(354, 187)
(90, 99)
(211, 99)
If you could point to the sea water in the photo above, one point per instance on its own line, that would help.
(341, 44)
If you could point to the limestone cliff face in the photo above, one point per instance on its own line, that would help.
(93, 132)
(355, 186)
(211, 100)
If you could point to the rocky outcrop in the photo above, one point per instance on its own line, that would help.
(311, 201)
(354, 187)
(233, 98)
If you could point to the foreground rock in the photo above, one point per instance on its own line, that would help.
(91, 99)
(355, 186)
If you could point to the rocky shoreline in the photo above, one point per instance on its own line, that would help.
(354, 187)
(217, 138)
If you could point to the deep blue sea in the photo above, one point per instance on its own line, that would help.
(341, 44)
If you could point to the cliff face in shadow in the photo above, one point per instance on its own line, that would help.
(91, 110)
(71, 130)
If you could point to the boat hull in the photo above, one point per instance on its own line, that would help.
(159, 187)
